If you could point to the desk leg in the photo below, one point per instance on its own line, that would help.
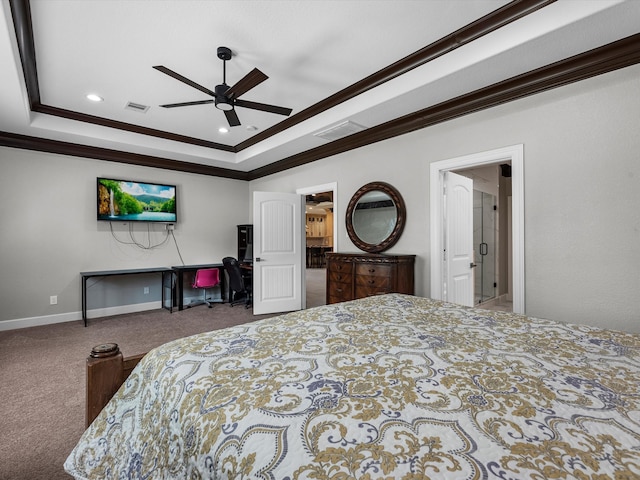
(180, 291)
(84, 300)
(223, 283)
(162, 278)
(173, 291)
(164, 287)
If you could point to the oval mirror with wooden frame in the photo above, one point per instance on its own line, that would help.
(375, 217)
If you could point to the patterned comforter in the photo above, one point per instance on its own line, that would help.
(393, 386)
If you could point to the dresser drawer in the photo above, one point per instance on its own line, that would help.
(372, 279)
(339, 292)
(333, 266)
(373, 282)
(363, 291)
(340, 298)
(340, 277)
(365, 269)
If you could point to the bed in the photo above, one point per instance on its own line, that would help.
(391, 386)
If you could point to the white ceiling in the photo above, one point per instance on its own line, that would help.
(310, 50)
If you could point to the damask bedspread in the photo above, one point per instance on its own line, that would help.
(393, 386)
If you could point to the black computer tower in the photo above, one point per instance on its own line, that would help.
(245, 242)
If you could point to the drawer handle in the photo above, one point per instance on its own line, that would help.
(372, 270)
(338, 290)
(371, 282)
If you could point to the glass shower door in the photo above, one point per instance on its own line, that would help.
(484, 239)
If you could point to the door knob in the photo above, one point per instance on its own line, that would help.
(472, 265)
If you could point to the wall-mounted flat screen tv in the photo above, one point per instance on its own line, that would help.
(131, 201)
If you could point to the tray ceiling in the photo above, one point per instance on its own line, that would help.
(331, 62)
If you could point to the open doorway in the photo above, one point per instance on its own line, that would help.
(512, 155)
(493, 273)
(320, 232)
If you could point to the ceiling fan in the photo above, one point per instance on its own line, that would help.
(225, 98)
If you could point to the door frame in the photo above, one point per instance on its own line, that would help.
(513, 154)
(327, 187)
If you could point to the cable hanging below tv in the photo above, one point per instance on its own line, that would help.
(132, 201)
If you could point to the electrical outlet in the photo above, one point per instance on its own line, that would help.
(146, 290)
(53, 300)
(170, 226)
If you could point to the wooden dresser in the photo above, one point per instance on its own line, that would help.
(358, 275)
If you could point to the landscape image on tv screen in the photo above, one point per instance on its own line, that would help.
(123, 200)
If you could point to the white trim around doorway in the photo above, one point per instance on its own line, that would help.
(327, 187)
(513, 154)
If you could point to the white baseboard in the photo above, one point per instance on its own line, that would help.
(119, 310)
(37, 321)
(73, 316)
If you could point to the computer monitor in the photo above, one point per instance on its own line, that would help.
(248, 254)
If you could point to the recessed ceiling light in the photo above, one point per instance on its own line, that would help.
(95, 98)
(223, 130)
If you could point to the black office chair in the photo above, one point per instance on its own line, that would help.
(239, 287)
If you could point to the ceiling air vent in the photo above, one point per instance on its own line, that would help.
(136, 107)
(341, 130)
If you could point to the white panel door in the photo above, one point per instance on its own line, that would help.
(278, 252)
(458, 239)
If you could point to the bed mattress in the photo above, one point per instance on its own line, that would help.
(392, 386)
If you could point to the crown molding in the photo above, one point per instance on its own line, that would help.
(129, 127)
(616, 55)
(77, 150)
(601, 60)
(467, 34)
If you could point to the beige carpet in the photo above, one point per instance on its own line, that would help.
(42, 376)
(42, 383)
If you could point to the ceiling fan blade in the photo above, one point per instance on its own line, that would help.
(186, 104)
(232, 118)
(246, 83)
(179, 77)
(263, 107)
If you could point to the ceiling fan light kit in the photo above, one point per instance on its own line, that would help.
(222, 102)
(225, 98)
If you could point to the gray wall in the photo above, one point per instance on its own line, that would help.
(49, 233)
(582, 207)
(581, 183)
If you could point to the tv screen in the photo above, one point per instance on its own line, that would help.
(129, 201)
